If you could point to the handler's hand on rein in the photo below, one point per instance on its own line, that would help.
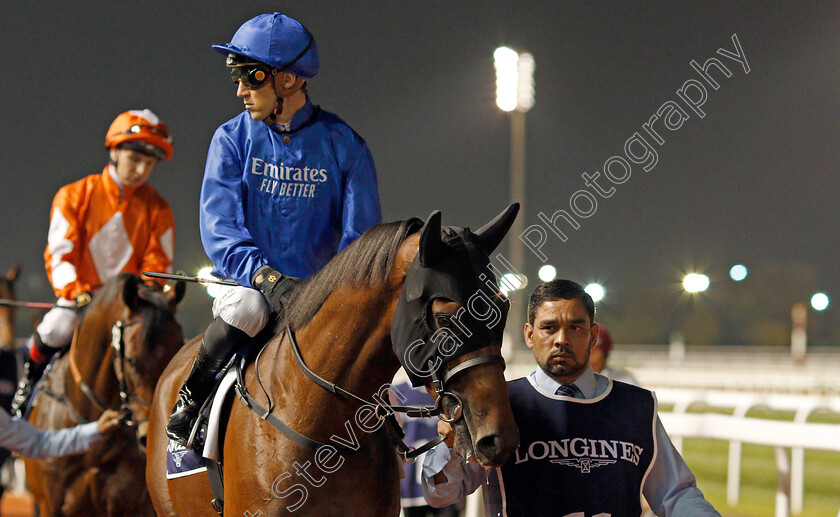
(445, 429)
(276, 287)
(109, 421)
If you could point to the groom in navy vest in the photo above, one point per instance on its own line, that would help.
(588, 446)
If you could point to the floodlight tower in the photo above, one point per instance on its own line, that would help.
(515, 95)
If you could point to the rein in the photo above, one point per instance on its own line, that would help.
(384, 412)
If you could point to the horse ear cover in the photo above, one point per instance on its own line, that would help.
(491, 234)
(430, 241)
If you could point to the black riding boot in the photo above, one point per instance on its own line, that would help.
(219, 343)
(32, 372)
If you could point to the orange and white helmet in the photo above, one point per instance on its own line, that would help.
(140, 131)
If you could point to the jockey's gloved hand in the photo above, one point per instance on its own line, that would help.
(82, 299)
(276, 287)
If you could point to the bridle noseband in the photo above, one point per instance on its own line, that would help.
(439, 382)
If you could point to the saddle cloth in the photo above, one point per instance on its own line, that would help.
(181, 461)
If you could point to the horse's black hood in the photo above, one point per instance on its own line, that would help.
(452, 263)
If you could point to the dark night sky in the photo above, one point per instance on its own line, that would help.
(755, 181)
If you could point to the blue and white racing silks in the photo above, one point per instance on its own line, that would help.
(291, 200)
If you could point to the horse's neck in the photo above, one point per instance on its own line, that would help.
(7, 318)
(348, 343)
(87, 359)
(7, 333)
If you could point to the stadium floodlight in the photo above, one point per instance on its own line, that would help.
(515, 95)
(819, 301)
(506, 61)
(738, 272)
(695, 282)
(525, 82)
(547, 273)
(514, 79)
(596, 291)
(212, 289)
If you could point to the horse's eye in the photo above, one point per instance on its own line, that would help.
(447, 321)
(444, 320)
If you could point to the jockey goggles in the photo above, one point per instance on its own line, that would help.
(139, 128)
(252, 75)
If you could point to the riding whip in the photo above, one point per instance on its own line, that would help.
(185, 278)
(29, 305)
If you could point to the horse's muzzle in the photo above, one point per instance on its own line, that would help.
(493, 450)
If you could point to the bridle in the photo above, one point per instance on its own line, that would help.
(126, 394)
(384, 411)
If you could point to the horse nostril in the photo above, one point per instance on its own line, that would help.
(490, 447)
(141, 440)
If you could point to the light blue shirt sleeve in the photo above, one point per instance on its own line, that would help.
(670, 487)
(462, 477)
(23, 438)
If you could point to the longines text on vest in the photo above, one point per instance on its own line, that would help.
(580, 447)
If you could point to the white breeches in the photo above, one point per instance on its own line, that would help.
(243, 308)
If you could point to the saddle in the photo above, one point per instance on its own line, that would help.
(208, 432)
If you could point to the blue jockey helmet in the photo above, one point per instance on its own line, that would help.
(278, 41)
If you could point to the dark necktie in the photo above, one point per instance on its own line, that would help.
(567, 390)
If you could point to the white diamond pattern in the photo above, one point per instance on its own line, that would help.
(111, 248)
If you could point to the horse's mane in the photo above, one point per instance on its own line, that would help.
(366, 261)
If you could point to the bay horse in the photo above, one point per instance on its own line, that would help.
(7, 313)
(8, 353)
(123, 340)
(349, 324)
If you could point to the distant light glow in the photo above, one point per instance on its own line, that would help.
(512, 282)
(525, 82)
(738, 272)
(695, 282)
(596, 291)
(547, 273)
(212, 289)
(819, 301)
(506, 61)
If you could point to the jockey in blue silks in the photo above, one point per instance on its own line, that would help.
(286, 186)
